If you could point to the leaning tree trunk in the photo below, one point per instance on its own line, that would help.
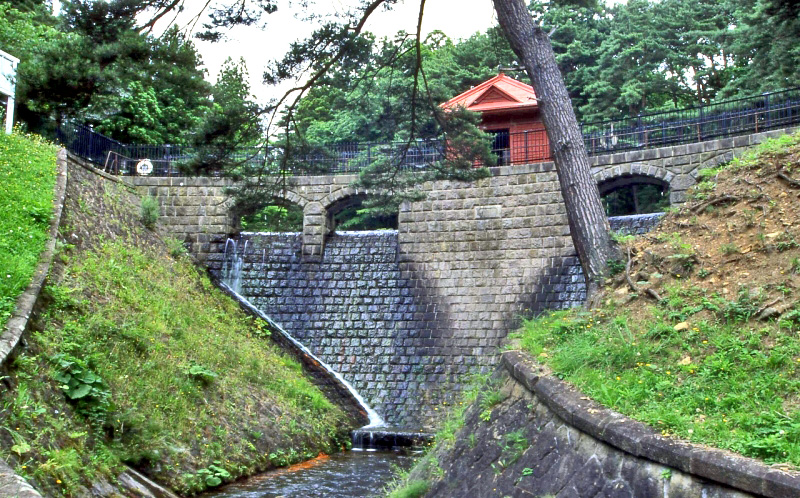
(588, 223)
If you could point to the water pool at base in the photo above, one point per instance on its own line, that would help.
(344, 475)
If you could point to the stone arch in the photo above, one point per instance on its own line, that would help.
(341, 200)
(286, 198)
(633, 170)
(612, 184)
(634, 193)
(342, 193)
(294, 198)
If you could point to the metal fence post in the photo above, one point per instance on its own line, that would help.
(700, 125)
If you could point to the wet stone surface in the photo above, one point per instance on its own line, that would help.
(353, 309)
(384, 327)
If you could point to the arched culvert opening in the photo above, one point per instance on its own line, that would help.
(350, 213)
(634, 194)
(277, 215)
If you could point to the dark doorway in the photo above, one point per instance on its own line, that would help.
(501, 146)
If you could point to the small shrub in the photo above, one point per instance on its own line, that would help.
(728, 249)
(489, 401)
(83, 387)
(785, 242)
(744, 307)
(622, 238)
(149, 211)
(176, 248)
(615, 267)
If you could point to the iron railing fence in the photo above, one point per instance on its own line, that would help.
(693, 124)
(167, 160)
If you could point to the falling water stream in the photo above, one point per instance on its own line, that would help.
(358, 473)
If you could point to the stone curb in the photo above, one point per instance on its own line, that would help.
(10, 483)
(640, 440)
(13, 485)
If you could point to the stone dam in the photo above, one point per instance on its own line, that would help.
(405, 315)
(367, 317)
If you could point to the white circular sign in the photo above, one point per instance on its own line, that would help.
(144, 167)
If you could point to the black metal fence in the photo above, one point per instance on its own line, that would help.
(694, 124)
(688, 125)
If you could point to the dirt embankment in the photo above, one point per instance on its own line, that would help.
(738, 236)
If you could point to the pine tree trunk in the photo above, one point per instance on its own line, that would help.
(588, 223)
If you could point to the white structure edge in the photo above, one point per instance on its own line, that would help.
(8, 86)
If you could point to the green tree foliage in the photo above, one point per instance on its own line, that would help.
(233, 122)
(368, 98)
(165, 99)
(644, 55)
(641, 56)
(765, 44)
(92, 64)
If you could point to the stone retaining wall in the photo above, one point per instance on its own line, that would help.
(546, 438)
(362, 312)
(353, 309)
(676, 165)
(473, 256)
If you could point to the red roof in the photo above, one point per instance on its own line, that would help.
(500, 93)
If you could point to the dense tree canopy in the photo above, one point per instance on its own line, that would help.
(92, 64)
(98, 63)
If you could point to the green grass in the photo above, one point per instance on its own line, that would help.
(27, 180)
(724, 381)
(412, 489)
(142, 361)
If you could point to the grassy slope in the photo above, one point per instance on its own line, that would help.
(166, 373)
(27, 179)
(699, 364)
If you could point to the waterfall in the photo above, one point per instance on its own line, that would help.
(232, 264)
(231, 281)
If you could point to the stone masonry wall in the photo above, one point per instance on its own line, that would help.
(677, 165)
(352, 308)
(474, 256)
(547, 439)
(193, 210)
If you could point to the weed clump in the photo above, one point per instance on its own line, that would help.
(149, 212)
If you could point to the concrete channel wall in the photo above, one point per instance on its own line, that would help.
(548, 439)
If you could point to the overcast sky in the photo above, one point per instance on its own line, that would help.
(457, 18)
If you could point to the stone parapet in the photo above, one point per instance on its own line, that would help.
(677, 165)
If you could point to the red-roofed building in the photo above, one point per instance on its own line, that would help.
(510, 111)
